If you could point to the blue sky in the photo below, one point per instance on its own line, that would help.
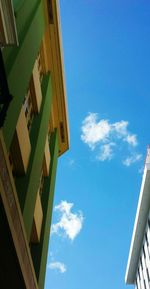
(107, 67)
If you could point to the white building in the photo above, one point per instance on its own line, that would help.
(138, 267)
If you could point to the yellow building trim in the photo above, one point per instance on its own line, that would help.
(52, 48)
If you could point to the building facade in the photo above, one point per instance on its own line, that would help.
(138, 267)
(33, 134)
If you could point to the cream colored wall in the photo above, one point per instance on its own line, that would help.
(21, 147)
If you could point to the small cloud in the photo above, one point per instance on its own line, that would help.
(141, 170)
(71, 162)
(57, 266)
(131, 140)
(132, 159)
(70, 223)
(120, 128)
(106, 152)
(102, 136)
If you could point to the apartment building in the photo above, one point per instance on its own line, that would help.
(33, 134)
(138, 267)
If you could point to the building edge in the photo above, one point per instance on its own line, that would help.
(139, 224)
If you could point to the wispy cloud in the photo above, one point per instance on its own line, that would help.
(104, 137)
(131, 160)
(132, 140)
(61, 267)
(69, 224)
(71, 162)
(141, 170)
(106, 152)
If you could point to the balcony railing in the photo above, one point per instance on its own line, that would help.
(21, 147)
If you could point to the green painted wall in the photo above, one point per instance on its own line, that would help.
(19, 65)
(39, 251)
(18, 4)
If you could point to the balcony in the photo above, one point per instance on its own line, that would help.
(20, 147)
(37, 221)
(35, 88)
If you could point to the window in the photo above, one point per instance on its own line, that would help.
(144, 252)
(146, 240)
(141, 263)
(40, 68)
(147, 275)
(148, 223)
(28, 109)
(139, 274)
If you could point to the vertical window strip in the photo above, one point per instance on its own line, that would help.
(136, 285)
(138, 280)
(147, 263)
(147, 244)
(148, 234)
(141, 276)
(146, 285)
(148, 223)
(144, 252)
(28, 109)
(147, 260)
(148, 276)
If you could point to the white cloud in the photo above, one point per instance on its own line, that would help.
(93, 131)
(106, 152)
(132, 159)
(131, 140)
(103, 136)
(70, 223)
(120, 128)
(57, 266)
